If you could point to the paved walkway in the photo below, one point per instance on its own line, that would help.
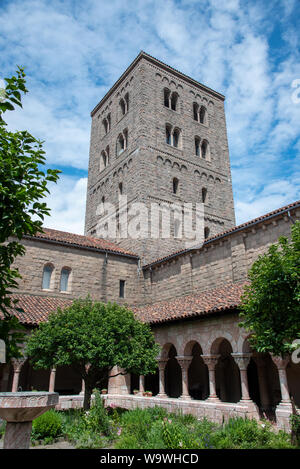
(58, 445)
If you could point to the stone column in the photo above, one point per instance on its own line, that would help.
(52, 380)
(17, 364)
(162, 388)
(284, 409)
(184, 363)
(281, 364)
(242, 360)
(211, 361)
(82, 387)
(142, 385)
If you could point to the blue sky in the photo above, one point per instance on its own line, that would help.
(74, 51)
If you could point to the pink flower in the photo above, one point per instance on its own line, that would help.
(119, 431)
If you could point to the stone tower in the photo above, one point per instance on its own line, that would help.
(159, 138)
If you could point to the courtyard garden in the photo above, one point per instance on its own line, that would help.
(154, 428)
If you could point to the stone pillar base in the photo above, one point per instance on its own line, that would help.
(17, 435)
(162, 396)
(283, 412)
(185, 398)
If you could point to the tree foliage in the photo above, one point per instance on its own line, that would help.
(270, 305)
(22, 186)
(94, 337)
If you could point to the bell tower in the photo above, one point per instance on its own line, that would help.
(158, 139)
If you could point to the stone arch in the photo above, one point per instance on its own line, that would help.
(228, 383)
(173, 374)
(197, 372)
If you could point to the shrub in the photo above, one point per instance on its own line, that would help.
(2, 428)
(47, 425)
(96, 419)
(295, 427)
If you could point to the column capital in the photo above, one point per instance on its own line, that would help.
(242, 359)
(210, 360)
(184, 361)
(281, 362)
(162, 362)
(17, 363)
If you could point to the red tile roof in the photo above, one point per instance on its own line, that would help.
(80, 241)
(247, 224)
(37, 308)
(225, 297)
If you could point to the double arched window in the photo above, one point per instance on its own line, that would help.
(202, 148)
(48, 278)
(200, 114)
(173, 136)
(170, 99)
(122, 142)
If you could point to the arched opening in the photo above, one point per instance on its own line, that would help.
(65, 279)
(48, 277)
(175, 184)
(173, 375)
(197, 146)
(176, 136)
(105, 126)
(203, 196)
(198, 375)
(167, 97)
(103, 161)
(206, 232)
(168, 135)
(174, 100)
(120, 144)
(195, 111)
(122, 106)
(204, 150)
(134, 382)
(120, 188)
(202, 115)
(126, 97)
(228, 383)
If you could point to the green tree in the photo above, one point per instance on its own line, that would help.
(270, 306)
(22, 186)
(94, 337)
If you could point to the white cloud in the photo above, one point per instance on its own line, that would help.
(73, 53)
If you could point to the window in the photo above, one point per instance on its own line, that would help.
(47, 275)
(122, 142)
(167, 97)
(168, 135)
(202, 115)
(175, 185)
(172, 136)
(105, 126)
(108, 123)
(174, 99)
(122, 106)
(122, 289)
(204, 194)
(64, 279)
(127, 101)
(176, 138)
(204, 150)
(195, 111)
(103, 161)
(120, 188)
(197, 146)
(206, 232)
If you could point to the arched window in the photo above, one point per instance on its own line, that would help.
(204, 194)
(105, 126)
(175, 184)
(120, 188)
(167, 97)
(103, 161)
(202, 115)
(47, 275)
(197, 146)
(122, 106)
(168, 135)
(205, 150)
(176, 138)
(64, 279)
(206, 232)
(195, 111)
(120, 144)
(126, 97)
(108, 123)
(174, 99)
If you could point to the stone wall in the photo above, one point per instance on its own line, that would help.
(92, 272)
